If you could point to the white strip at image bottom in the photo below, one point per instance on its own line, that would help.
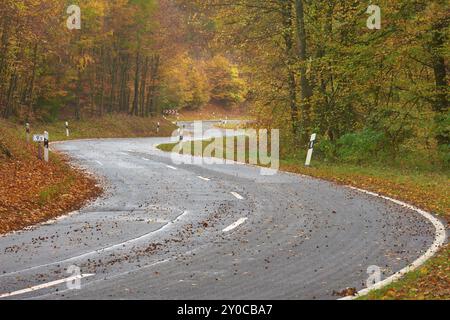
(45, 285)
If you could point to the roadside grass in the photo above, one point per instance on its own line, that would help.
(231, 125)
(426, 189)
(109, 126)
(52, 192)
(32, 191)
(189, 148)
(208, 117)
(212, 112)
(429, 282)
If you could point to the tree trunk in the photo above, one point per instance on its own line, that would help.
(30, 92)
(306, 90)
(4, 58)
(135, 108)
(123, 98)
(287, 16)
(113, 71)
(440, 101)
(143, 109)
(153, 89)
(10, 96)
(102, 82)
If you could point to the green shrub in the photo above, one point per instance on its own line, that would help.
(358, 147)
(444, 152)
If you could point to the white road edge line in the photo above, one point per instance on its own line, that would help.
(98, 251)
(203, 178)
(46, 285)
(170, 167)
(99, 162)
(237, 195)
(235, 225)
(437, 244)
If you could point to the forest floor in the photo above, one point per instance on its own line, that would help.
(425, 189)
(32, 191)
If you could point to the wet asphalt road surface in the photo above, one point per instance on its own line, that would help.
(164, 230)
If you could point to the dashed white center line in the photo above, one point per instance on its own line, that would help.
(99, 162)
(203, 178)
(125, 154)
(145, 159)
(237, 195)
(170, 167)
(46, 285)
(235, 225)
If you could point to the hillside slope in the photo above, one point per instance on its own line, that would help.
(32, 191)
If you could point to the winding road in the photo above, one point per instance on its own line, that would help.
(197, 231)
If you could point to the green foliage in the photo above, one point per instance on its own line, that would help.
(316, 67)
(49, 108)
(366, 145)
(444, 153)
(442, 129)
(363, 146)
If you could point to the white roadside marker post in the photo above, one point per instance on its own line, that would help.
(310, 150)
(182, 133)
(67, 129)
(157, 127)
(27, 130)
(45, 146)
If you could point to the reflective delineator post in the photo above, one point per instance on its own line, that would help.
(45, 146)
(27, 131)
(157, 127)
(310, 150)
(67, 128)
(182, 133)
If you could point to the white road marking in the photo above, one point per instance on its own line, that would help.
(145, 159)
(123, 153)
(237, 195)
(90, 284)
(101, 250)
(46, 285)
(235, 225)
(99, 162)
(437, 244)
(170, 167)
(203, 178)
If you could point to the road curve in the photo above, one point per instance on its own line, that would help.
(171, 231)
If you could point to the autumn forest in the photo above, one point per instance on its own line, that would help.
(98, 96)
(299, 65)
